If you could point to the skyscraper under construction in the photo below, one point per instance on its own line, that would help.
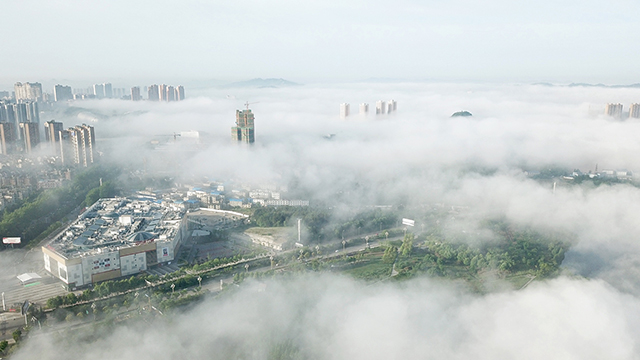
(244, 129)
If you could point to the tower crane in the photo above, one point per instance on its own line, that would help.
(248, 103)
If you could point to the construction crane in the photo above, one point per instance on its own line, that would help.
(248, 103)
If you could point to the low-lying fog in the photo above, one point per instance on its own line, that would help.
(332, 317)
(415, 156)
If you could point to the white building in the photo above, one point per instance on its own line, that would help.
(281, 202)
(391, 106)
(634, 111)
(613, 110)
(380, 107)
(113, 238)
(28, 91)
(344, 110)
(364, 109)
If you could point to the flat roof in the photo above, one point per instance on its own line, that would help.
(110, 223)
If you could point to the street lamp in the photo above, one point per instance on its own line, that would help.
(4, 308)
(34, 320)
(93, 308)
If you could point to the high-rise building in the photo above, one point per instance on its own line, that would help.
(7, 138)
(20, 111)
(344, 110)
(171, 93)
(634, 111)
(380, 107)
(62, 93)
(33, 113)
(65, 149)
(244, 130)
(165, 92)
(76, 144)
(162, 89)
(28, 91)
(391, 106)
(8, 114)
(364, 109)
(108, 90)
(154, 93)
(30, 136)
(179, 93)
(613, 110)
(98, 91)
(135, 93)
(52, 131)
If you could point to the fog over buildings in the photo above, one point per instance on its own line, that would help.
(404, 69)
(416, 156)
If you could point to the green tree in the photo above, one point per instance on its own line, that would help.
(407, 245)
(71, 298)
(3, 345)
(92, 196)
(389, 255)
(16, 334)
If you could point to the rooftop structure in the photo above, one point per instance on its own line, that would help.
(115, 237)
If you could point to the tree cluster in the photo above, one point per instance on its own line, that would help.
(517, 250)
(318, 220)
(42, 212)
(314, 219)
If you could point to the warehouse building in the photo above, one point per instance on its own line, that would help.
(113, 238)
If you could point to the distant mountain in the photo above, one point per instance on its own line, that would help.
(637, 85)
(262, 83)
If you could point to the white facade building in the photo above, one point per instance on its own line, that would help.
(114, 238)
(364, 109)
(344, 110)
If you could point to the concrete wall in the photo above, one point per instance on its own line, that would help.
(133, 264)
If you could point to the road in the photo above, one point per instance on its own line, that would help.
(10, 321)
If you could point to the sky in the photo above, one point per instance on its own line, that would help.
(460, 40)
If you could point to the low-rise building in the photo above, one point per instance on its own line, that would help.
(115, 237)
